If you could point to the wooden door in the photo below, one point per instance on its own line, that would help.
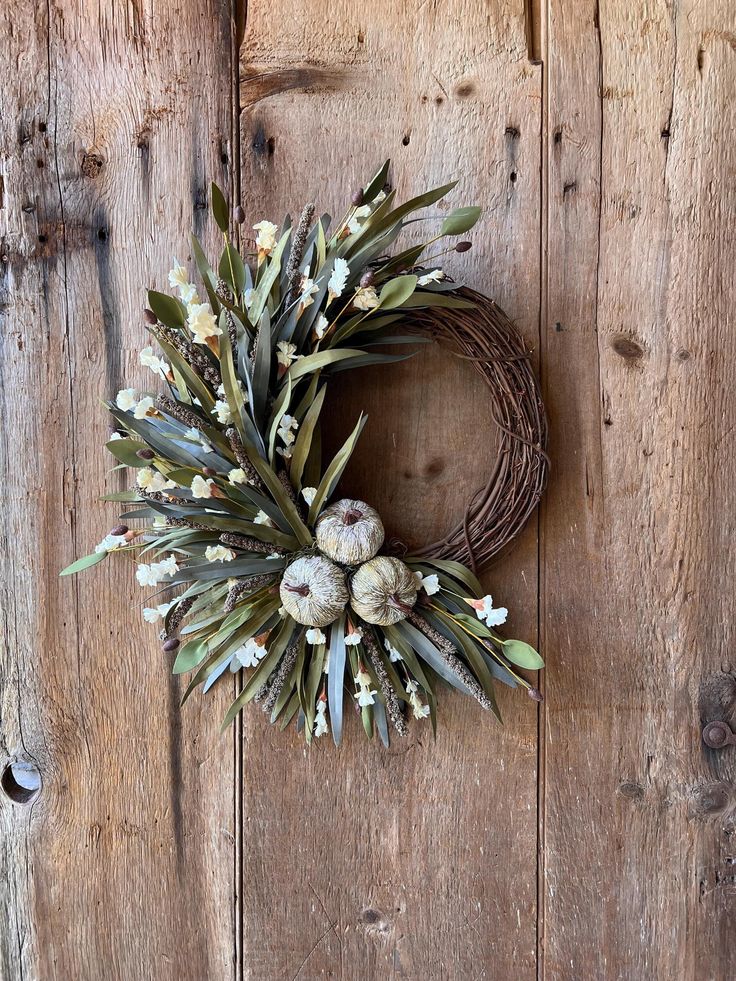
(590, 837)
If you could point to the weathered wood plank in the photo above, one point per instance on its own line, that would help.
(418, 862)
(638, 527)
(113, 120)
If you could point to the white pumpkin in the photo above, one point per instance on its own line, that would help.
(313, 591)
(383, 590)
(349, 532)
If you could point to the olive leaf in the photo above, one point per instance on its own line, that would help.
(335, 470)
(397, 291)
(522, 654)
(460, 220)
(304, 439)
(219, 208)
(84, 563)
(167, 309)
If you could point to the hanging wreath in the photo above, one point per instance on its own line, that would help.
(270, 578)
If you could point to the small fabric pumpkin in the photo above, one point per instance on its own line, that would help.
(383, 591)
(313, 591)
(349, 532)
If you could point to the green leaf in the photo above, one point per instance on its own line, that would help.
(304, 439)
(233, 392)
(460, 220)
(397, 291)
(335, 470)
(205, 271)
(232, 270)
(522, 654)
(279, 411)
(279, 494)
(315, 362)
(426, 298)
(168, 309)
(268, 278)
(219, 208)
(336, 677)
(126, 451)
(84, 563)
(261, 673)
(376, 183)
(261, 369)
(189, 656)
(455, 569)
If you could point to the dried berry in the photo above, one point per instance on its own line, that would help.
(209, 472)
(239, 214)
(150, 316)
(119, 530)
(463, 246)
(170, 645)
(367, 278)
(357, 198)
(145, 454)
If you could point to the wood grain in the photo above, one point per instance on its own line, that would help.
(419, 862)
(113, 120)
(638, 834)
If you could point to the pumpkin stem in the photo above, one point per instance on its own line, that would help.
(302, 590)
(399, 604)
(352, 516)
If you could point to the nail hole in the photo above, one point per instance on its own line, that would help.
(102, 234)
(512, 176)
(42, 127)
(21, 782)
(406, 139)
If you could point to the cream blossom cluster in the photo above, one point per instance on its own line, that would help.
(127, 400)
(430, 584)
(196, 435)
(287, 434)
(151, 480)
(485, 610)
(365, 298)
(338, 280)
(179, 280)
(201, 322)
(252, 651)
(320, 327)
(393, 654)
(263, 519)
(157, 365)
(238, 476)
(201, 487)
(309, 494)
(354, 637)
(434, 276)
(419, 710)
(110, 542)
(218, 553)
(316, 636)
(364, 696)
(307, 288)
(286, 353)
(265, 238)
(320, 719)
(152, 575)
(152, 614)
(362, 212)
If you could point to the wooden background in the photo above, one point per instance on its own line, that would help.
(591, 837)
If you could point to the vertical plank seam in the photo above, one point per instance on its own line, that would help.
(544, 31)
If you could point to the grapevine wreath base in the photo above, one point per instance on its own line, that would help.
(256, 571)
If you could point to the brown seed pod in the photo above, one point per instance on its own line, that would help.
(313, 591)
(349, 532)
(383, 591)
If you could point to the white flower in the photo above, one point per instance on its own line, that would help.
(354, 637)
(178, 278)
(201, 321)
(365, 695)
(152, 614)
(266, 237)
(366, 298)
(285, 353)
(419, 710)
(286, 452)
(143, 408)
(223, 413)
(202, 487)
(218, 553)
(263, 519)
(338, 279)
(431, 277)
(274, 555)
(109, 542)
(126, 399)
(308, 287)
(114, 436)
(484, 610)
(321, 326)
(198, 438)
(320, 720)
(357, 217)
(430, 584)
(149, 360)
(250, 653)
(152, 575)
(309, 494)
(315, 636)
(151, 480)
(393, 654)
(281, 612)
(238, 476)
(326, 665)
(287, 429)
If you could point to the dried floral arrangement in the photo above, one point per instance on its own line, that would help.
(233, 500)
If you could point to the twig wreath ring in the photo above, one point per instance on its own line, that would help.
(254, 572)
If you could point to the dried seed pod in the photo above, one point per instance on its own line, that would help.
(383, 591)
(313, 591)
(349, 532)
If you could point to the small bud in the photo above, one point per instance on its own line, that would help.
(145, 454)
(535, 694)
(119, 530)
(150, 316)
(209, 472)
(463, 246)
(367, 278)
(357, 198)
(170, 645)
(239, 214)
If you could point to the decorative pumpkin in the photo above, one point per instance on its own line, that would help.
(349, 532)
(383, 590)
(313, 591)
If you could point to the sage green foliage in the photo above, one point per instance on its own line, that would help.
(274, 355)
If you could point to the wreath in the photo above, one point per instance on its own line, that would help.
(271, 579)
